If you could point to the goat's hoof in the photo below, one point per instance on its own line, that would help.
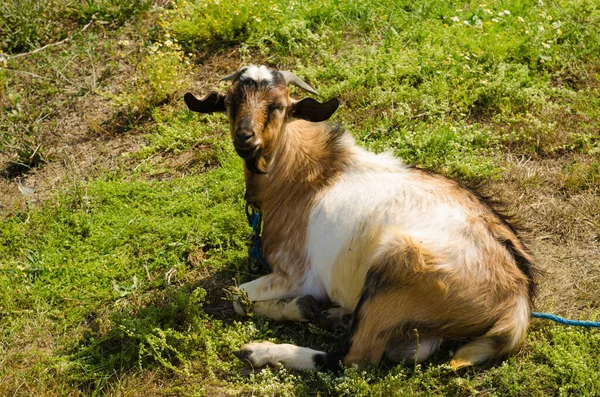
(238, 307)
(335, 318)
(308, 307)
(256, 355)
(243, 355)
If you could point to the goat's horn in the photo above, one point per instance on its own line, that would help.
(230, 77)
(291, 78)
(233, 75)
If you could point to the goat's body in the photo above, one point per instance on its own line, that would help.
(411, 257)
(424, 237)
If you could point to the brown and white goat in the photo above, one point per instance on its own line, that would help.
(407, 257)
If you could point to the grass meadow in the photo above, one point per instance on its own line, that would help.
(122, 214)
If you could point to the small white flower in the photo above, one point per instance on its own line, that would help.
(455, 19)
(527, 32)
(494, 20)
(541, 28)
(168, 43)
(520, 19)
(546, 45)
(506, 12)
(466, 23)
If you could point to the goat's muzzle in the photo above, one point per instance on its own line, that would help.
(247, 151)
(249, 148)
(243, 138)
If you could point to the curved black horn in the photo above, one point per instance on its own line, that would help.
(291, 78)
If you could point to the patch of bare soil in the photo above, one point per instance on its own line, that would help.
(563, 231)
(76, 150)
(79, 144)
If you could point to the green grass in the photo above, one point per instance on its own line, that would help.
(114, 284)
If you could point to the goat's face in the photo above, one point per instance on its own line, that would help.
(258, 105)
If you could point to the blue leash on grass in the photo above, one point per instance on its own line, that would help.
(257, 260)
(561, 320)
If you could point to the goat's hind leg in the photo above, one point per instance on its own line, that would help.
(393, 307)
(334, 318)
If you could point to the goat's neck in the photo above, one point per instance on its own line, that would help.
(306, 158)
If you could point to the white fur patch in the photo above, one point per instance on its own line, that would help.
(359, 198)
(378, 194)
(293, 357)
(258, 73)
(520, 322)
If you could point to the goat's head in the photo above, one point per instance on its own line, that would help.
(259, 106)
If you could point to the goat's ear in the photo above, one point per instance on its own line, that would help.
(313, 110)
(213, 102)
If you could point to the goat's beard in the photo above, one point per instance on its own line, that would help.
(257, 163)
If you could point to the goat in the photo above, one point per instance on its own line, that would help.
(407, 257)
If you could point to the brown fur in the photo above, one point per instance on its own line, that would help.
(285, 194)
(405, 293)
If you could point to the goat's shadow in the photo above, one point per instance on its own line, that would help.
(104, 352)
(147, 330)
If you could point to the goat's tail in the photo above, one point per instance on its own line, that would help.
(503, 338)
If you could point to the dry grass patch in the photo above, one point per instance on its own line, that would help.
(563, 229)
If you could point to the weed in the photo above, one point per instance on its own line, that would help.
(163, 70)
(581, 177)
(112, 11)
(25, 24)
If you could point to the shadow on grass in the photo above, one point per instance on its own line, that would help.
(161, 329)
(187, 329)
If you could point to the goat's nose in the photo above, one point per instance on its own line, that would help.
(244, 134)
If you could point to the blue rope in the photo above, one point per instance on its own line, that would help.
(561, 320)
(255, 251)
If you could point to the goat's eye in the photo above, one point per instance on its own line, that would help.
(275, 106)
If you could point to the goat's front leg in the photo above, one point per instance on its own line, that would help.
(277, 297)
